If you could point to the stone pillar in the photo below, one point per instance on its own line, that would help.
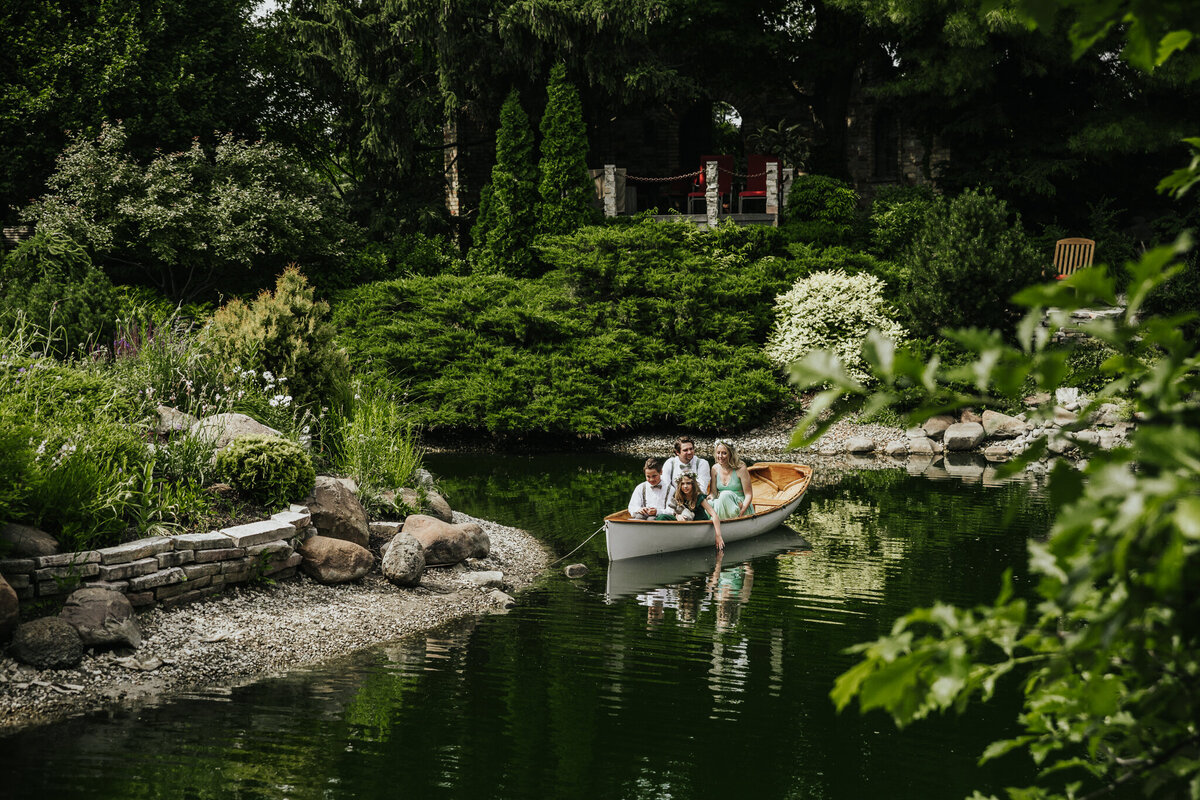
(712, 200)
(610, 190)
(773, 190)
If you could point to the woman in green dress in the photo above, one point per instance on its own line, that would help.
(730, 483)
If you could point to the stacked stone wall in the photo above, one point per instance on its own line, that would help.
(170, 570)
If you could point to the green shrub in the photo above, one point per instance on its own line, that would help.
(502, 240)
(565, 184)
(590, 347)
(1085, 357)
(193, 221)
(897, 214)
(274, 471)
(16, 469)
(286, 333)
(50, 280)
(968, 260)
(1179, 295)
(822, 210)
(831, 311)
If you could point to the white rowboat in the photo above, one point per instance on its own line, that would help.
(778, 490)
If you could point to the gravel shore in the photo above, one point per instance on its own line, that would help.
(769, 442)
(249, 633)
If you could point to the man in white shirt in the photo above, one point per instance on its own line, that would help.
(649, 499)
(686, 460)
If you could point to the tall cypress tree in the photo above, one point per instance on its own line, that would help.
(508, 214)
(566, 187)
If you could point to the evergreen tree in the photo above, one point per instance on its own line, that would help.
(505, 230)
(566, 186)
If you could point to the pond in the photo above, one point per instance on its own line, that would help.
(680, 678)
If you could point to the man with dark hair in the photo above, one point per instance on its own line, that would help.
(686, 460)
(650, 497)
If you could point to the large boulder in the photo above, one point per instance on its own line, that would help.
(47, 643)
(172, 421)
(1002, 426)
(10, 610)
(336, 511)
(962, 436)
(860, 444)
(22, 541)
(437, 506)
(935, 427)
(104, 618)
(330, 560)
(446, 543)
(428, 502)
(403, 560)
(222, 429)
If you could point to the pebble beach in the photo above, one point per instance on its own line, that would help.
(252, 632)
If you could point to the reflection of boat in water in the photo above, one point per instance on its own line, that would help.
(629, 576)
(778, 490)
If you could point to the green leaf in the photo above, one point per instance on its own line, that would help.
(1187, 517)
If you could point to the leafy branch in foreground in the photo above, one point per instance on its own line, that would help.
(1109, 652)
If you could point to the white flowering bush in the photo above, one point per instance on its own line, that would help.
(830, 311)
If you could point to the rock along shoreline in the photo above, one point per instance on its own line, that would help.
(249, 633)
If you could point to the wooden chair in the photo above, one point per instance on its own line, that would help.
(724, 179)
(1071, 255)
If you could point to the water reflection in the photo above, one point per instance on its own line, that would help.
(682, 675)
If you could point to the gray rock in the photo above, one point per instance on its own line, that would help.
(898, 447)
(1035, 400)
(1064, 416)
(403, 560)
(172, 421)
(330, 560)
(962, 436)
(1002, 426)
(935, 427)
(575, 570)
(1067, 395)
(47, 643)
(487, 579)
(23, 541)
(996, 453)
(336, 512)
(423, 478)
(1108, 415)
(10, 609)
(104, 618)
(1059, 444)
(437, 506)
(1087, 437)
(860, 444)
(501, 599)
(920, 447)
(444, 542)
(915, 433)
(970, 415)
(224, 428)
(481, 543)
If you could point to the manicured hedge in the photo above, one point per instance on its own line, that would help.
(635, 325)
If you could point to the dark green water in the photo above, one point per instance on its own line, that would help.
(671, 680)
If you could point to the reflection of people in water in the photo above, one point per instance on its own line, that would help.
(730, 589)
(689, 604)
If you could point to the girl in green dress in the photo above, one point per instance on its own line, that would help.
(730, 483)
(689, 503)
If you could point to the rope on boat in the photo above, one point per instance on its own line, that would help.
(581, 544)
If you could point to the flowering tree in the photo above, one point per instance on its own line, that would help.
(191, 221)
